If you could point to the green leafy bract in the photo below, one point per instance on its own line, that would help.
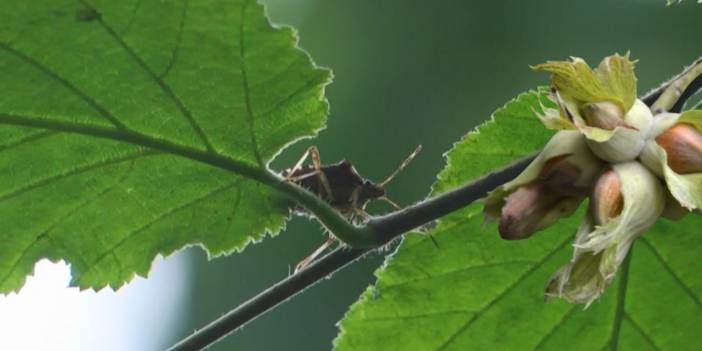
(88, 87)
(613, 80)
(478, 292)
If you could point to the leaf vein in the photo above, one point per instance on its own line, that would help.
(165, 88)
(47, 232)
(670, 271)
(27, 140)
(641, 331)
(499, 297)
(75, 171)
(446, 227)
(305, 87)
(179, 39)
(158, 218)
(147, 141)
(415, 316)
(621, 300)
(457, 271)
(274, 77)
(132, 18)
(554, 329)
(68, 85)
(235, 209)
(118, 263)
(250, 117)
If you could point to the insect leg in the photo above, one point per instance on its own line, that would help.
(312, 152)
(362, 213)
(307, 260)
(302, 177)
(303, 158)
(402, 165)
(392, 203)
(317, 164)
(355, 208)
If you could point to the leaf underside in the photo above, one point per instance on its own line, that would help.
(478, 292)
(212, 76)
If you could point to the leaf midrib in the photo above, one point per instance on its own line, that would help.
(137, 138)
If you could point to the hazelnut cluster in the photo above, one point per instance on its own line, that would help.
(633, 166)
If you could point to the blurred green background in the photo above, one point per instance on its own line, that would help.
(408, 73)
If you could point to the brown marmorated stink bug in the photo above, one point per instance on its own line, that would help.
(341, 186)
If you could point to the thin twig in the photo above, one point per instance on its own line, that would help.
(390, 226)
(673, 94)
(269, 298)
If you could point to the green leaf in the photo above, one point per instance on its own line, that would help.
(113, 116)
(477, 292)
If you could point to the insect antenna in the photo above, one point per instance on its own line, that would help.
(389, 201)
(402, 166)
